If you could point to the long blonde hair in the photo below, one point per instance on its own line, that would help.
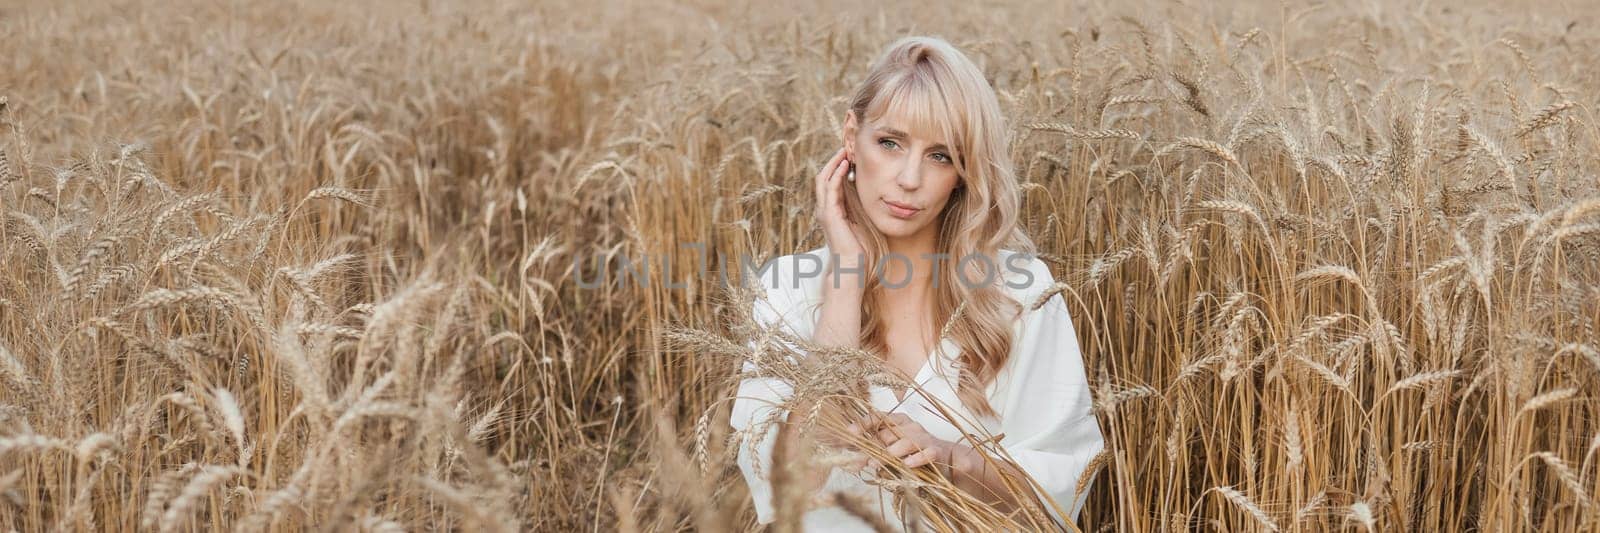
(940, 89)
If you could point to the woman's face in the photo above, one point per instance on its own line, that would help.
(903, 179)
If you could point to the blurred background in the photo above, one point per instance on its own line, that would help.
(308, 265)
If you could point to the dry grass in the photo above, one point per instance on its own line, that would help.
(287, 264)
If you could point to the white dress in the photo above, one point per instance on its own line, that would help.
(1041, 394)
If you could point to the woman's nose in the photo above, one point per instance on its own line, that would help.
(910, 176)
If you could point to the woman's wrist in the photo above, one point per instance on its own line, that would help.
(973, 471)
(848, 258)
(846, 273)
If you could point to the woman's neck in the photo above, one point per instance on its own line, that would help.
(916, 271)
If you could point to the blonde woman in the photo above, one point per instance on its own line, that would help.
(920, 213)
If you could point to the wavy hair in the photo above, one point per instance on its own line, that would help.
(939, 89)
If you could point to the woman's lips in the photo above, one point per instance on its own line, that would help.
(900, 210)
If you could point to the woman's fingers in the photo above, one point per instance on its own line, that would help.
(842, 234)
(831, 194)
(925, 457)
(858, 464)
(866, 422)
(842, 206)
(887, 427)
(904, 447)
(821, 182)
(891, 434)
(836, 188)
(873, 420)
(915, 451)
(902, 437)
(826, 172)
(830, 204)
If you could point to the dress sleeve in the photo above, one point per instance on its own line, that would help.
(1045, 407)
(756, 415)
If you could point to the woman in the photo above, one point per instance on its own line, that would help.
(919, 208)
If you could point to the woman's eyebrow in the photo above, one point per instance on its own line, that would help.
(897, 133)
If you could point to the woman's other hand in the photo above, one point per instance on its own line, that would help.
(911, 443)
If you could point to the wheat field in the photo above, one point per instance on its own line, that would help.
(287, 265)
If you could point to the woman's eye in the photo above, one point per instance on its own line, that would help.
(941, 158)
(887, 143)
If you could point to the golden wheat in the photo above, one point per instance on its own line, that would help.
(276, 266)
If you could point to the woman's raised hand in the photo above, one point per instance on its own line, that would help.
(844, 235)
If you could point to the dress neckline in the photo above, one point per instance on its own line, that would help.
(901, 394)
(813, 293)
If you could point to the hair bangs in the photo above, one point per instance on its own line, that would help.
(927, 111)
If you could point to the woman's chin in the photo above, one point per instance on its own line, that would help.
(895, 228)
